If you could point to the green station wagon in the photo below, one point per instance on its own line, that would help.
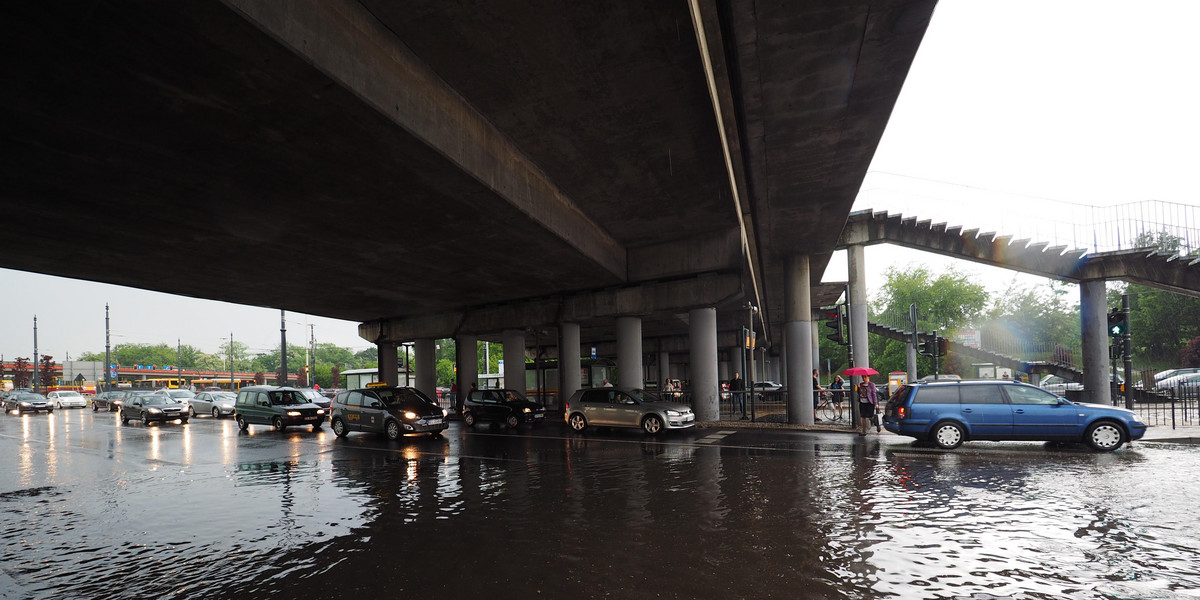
(277, 406)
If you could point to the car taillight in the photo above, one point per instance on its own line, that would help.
(566, 406)
(901, 412)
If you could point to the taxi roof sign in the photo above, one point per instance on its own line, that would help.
(375, 384)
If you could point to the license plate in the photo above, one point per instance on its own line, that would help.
(310, 418)
(539, 416)
(434, 421)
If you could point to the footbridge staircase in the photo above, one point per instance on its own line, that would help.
(1146, 266)
(1064, 370)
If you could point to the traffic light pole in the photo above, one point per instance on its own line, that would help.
(1127, 346)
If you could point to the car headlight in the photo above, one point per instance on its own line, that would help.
(293, 413)
(154, 411)
(445, 412)
(528, 410)
(674, 413)
(26, 404)
(410, 415)
(320, 411)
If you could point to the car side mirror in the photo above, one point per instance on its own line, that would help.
(376, 404)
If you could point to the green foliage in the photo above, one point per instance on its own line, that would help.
(445, 372)
(945, 302)
(489, 361)
(1043, 322)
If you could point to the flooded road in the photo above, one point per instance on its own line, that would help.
(93, 509)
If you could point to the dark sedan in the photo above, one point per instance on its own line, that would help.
(501, 406)
(393, 411)
(108, 400)
(148, 408)
(24, 402)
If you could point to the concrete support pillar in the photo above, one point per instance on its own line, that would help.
(1093, 305)
(816, 339)
(705, 387)
(466, 354)
(514, 359)
(425, 360)
(629, 352)
(569, 377)
(664, 369)
(737, 362)
(388, 372)
(724, 368)
(797, 335)
(857, 271)
(782, 362)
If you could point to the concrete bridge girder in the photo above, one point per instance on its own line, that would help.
(671, 297)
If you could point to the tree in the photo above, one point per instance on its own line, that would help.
(335, 377)
(46, 368)
(445, 372)
(21, 373)
(1034, 324)
(1161, 323)
(945, 302)
(1190, 356)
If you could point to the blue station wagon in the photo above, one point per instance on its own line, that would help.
(949, 413)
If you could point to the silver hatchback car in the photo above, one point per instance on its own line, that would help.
(619, 407)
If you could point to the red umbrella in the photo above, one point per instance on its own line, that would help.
(860, 371)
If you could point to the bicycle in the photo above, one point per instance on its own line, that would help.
(831, 408)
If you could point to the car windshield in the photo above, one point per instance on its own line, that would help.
(287, 398)
(644, 396)
(396, 396)
(30, 398)
(224, 397)
(182, 394)
(68, 394)
(312, 394)
(157, 400)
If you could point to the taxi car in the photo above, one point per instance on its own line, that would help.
(148, 408)
(392, 411)
(949, 413)
(277, 406)
(510, 407)
(621, 407)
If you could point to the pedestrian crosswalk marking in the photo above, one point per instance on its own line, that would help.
(715, 437)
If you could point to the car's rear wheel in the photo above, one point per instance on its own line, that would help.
(339, 428)
(392, 429)
(948, 435)
(513, 420)
(469, 419)
(577, 422)
(242, 424)
(652, 424)
(1104, 436)
(277, 423)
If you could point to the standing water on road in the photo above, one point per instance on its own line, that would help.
(93, 509)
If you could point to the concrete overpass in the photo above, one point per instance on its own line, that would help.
(436, 169)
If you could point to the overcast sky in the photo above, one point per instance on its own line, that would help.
(1014, 114)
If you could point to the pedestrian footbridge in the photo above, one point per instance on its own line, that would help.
(1146, 266)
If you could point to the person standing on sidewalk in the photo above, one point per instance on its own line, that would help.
(736, 385)
(868, 401)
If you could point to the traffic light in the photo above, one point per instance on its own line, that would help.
(943, 346)
(833, 319)
(928, 347)
(1117, 324)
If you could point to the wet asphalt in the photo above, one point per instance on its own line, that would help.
(92, 508)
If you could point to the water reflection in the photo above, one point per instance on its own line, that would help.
(304, 515)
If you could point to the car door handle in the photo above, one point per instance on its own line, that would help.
(966, 410)
(1019, 411)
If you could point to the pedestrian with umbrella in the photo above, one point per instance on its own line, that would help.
(868, 398)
